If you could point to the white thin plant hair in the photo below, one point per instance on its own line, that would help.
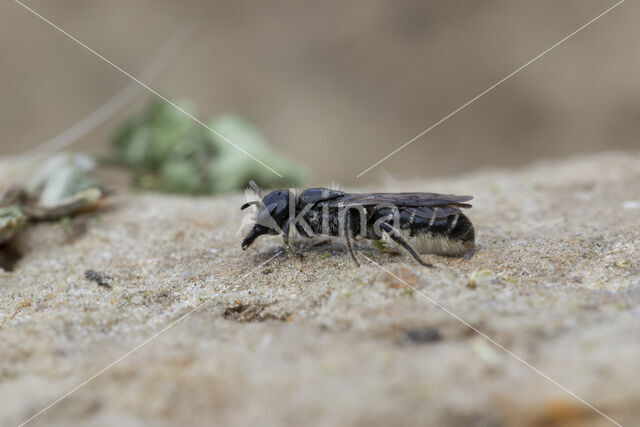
(492, 341)
(117, 102)
(498, 83)
(150, 89)
(137, 347)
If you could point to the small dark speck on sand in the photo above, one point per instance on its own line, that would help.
(422, 335)
(100, 278)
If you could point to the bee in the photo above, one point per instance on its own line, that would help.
(433, 223)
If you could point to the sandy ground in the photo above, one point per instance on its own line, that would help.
(318, 341)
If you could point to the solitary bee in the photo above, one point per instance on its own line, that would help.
(433, 222)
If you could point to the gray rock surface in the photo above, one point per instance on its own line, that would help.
(555, 279)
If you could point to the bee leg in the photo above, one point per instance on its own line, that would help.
(347, 236)
(397, 237)
(285, 236)
(285, 239)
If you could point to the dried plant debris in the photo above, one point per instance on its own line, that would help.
(623, 263)
(61, 188)
(170, 152)
(251, 313)
(100, 279)
(11, 221)
(476, 276)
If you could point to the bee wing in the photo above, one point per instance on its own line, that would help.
(405, 200)
(433, 212)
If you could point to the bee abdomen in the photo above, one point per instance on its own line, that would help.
(452, 235)
(462, 230)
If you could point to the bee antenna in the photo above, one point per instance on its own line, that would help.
(253, 202)
(255, 188)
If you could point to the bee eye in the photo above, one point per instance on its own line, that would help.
(262, 215)
(264, 218)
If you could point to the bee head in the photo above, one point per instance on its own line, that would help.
(271, 216)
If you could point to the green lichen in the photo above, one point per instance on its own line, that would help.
(172, 153)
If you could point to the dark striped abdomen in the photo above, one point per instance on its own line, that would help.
(450, 235)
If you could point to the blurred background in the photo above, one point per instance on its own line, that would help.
(338, 85)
